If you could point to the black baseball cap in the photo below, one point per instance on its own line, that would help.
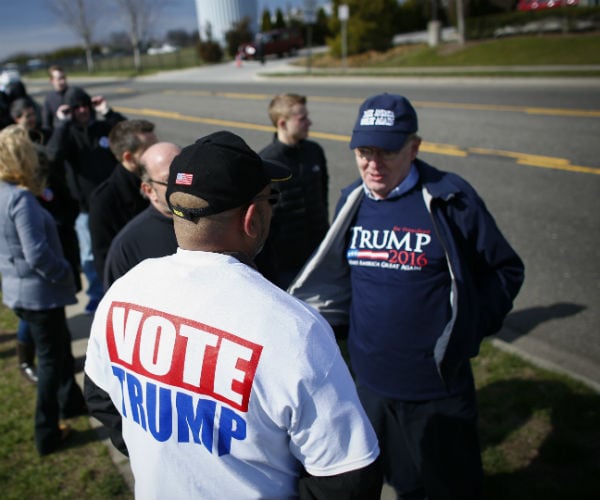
(221, 169)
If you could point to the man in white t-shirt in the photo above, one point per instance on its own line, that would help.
(225, 386)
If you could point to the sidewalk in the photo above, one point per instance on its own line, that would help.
(278, 70)
(79, 324)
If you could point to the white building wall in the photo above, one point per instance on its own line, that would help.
(222, 14)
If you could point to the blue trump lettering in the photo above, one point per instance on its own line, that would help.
(151, 407)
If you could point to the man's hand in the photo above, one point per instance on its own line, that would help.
(100, 104)
(63, 113)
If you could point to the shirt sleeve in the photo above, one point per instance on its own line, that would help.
(361, 484)
(332, 434)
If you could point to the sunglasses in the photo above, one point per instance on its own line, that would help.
(160, 183)
(273, 198)
(370, 153)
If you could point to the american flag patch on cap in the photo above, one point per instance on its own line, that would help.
(184, 179)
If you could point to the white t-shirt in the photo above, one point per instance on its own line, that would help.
(226, 384)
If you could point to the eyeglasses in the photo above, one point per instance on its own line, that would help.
(383, 154)
(160, 183)
(273, 198)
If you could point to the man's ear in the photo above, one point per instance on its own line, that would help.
(250, 221)
(127, 157)
(146, 188)
(416, 143)
(282, 123)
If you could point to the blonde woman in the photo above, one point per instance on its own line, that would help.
(37, 283)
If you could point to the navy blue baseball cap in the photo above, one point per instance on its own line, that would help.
(222, 170)
(384, 121)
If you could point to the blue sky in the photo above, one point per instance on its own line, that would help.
(28, 25)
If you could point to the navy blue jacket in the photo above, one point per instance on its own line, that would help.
(486, 272)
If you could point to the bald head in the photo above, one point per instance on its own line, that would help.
(156, 161)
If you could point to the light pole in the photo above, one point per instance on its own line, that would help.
(460, 21)
(310, 18)
(343, 15)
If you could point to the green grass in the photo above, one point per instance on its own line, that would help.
(539, 431)
(531, 51)
(82, 469)
(450, 58)
(122, 66)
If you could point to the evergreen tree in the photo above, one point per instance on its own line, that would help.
(265, 24)
(371, 26)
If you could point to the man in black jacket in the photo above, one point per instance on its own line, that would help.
(118, 199)
(150, 233)
(82, 141)
(301, 219)
(56, 97)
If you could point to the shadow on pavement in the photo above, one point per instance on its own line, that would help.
(520, 323)
(79, 325)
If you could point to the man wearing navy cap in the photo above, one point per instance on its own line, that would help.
(225, 385)
(416, 266)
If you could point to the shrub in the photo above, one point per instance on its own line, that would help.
(209, 52)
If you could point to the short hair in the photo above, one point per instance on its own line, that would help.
(281, 106)
(18, 107)
(19, 162)
(144, 174)
(53, 68)
(124, 136)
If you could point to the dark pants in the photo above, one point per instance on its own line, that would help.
(58, 395)
(430, 449)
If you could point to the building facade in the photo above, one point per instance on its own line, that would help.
(221, 15)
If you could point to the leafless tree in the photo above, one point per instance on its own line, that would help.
(81, 17)
(140, 15)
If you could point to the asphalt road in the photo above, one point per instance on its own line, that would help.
(529, 146)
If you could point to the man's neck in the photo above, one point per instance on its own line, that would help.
(286, 139)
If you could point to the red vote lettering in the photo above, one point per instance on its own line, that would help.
(182, 353)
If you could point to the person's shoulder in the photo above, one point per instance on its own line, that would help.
(20, 198)
(101, 191)
(442, 182)
(145, 270)
(100, 128)
(141, 223)
(103, 194)
(148, 233)
(282, 304)
(272, 150)
(51, 94)
(310, 144)
(10, 190)
(16, 191)
(350, 187)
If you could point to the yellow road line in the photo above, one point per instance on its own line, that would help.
(258, 97)
(513, 109)
(423, 104)
(532, 160)
(173, 115)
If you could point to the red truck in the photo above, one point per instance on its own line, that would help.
(545, 4)
(279, 42)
